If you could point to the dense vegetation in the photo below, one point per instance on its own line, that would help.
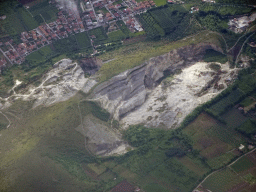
(212, 21)
(214, 56)
(249, 2)
(171, 21)
(248, 128)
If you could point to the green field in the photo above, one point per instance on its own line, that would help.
(39, 142)
(224, 10)
(48, 12)
(83, 40)
(242, 164)
(116, 35)
(123, 28)
(151, 27)
(220, 161)
(222, 181)
(155, 187)
(99, 33)
(248, 128)
(66, 45)
(170, 21)
(160, 2)
(213, 140)
(169, 17)
(41, 55)
(45, 145)
(26, 19)
(222, 106)
(12, 25)
(214, 56)
(247, 101)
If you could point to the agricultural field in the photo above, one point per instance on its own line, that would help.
(214, 140)
(172, 21)
(168, 17)
(26, 19)
(225, 10)
(83, 40)
(66, 45)
(237, 177)
(123, 28)
(231, 99)
(116, 36)
(247, 101)
(160, 2)
(11, 25)
(248, 128)
(48, 12)
(151, 27)
(222, 181)
(99, 33)
(41, 55)
(242, 164)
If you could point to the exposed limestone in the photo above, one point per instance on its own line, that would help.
(128, 95)
(170, 102)
(61, 83)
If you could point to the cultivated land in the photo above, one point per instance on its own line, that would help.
(64, 146)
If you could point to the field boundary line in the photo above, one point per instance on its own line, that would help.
(241, 157)
(227, 166)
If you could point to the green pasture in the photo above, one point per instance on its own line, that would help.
(222, 180)
(242, 164)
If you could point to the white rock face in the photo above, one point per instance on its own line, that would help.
(169, 105)
(59, 84)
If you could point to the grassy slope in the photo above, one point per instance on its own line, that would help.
(32, 149)
(130, 56)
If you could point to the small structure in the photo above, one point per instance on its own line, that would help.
(3, 17)
(194, 9)
(241, 147)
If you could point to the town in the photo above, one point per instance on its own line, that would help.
(95, 13)
(92, 17)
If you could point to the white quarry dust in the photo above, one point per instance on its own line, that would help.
(59, 84)
(170, 105)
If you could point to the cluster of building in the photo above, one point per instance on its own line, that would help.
(140, 7)
(69, 22)
(101, 12)
(175, 2)
(31, 41)
(10, 52)
(132, 24)
(239, 25)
